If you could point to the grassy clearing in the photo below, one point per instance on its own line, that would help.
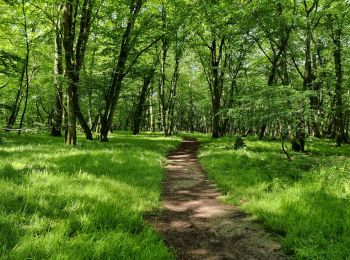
(80, 202)
(307, 200)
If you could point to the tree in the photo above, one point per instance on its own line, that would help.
(113, 91)
(74, 57)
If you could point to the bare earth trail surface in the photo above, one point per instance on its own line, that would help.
(196, 225)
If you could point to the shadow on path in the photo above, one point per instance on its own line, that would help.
(196, 225)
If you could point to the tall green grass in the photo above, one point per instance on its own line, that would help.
(306, 200)
(80, 202)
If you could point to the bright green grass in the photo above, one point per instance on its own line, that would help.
(307, 200)
(80, 202)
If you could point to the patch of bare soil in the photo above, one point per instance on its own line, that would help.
(196, 225)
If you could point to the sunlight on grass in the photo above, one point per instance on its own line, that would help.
(81, 202)
(306, 200)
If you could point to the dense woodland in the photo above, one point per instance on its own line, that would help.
(243, 77)
(267, 68)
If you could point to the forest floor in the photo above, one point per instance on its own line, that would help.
(196, 225)
(82, 202)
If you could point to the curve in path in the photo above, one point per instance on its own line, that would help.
(196, 225)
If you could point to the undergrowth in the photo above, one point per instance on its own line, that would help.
(306, 200)
(80, 202)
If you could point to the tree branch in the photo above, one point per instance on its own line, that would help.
(3, 86)
(262, 49)
(297, 67)
(139, 54)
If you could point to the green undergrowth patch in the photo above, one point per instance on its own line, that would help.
(306, 200)
(81, 202)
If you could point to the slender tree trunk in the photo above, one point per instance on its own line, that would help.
(142, 99)
(68, 42)
(162, 81)
(71, 134)
(90, 107)
(80, 117)
(173, 92)
(58, 69)
(90, 123)
(17, 103)
(190, 124)
(26, 67)
(339, 117)
(151, 112)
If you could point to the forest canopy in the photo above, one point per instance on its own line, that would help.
(276, 68)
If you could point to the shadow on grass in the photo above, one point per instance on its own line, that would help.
(315, 226)
(306, 200)
(81, 201)
(246, 171)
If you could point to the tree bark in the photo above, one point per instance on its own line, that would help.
(339, 117)
(173, 91)
(74, 58)
(58, 70)
(26, 67)
(216, 85)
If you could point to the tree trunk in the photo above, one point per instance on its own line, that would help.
(142, 99)
(74, 59)
(26, 68)
(58, 69)
(71, 131)
(173, 91)
(164, 52)
(16, 105)
(80, 116)
(216, 85)
(339, 118)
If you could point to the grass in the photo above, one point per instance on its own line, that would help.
(306, 200)
(81, 202)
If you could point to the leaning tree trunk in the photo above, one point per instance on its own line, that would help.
(142, 99)
(113, 92)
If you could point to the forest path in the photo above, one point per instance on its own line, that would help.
(196, 225)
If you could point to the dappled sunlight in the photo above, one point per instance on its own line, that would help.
(55, 199)
(305, 200)
(197, 224)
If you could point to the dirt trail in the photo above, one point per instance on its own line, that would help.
(196, 225)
